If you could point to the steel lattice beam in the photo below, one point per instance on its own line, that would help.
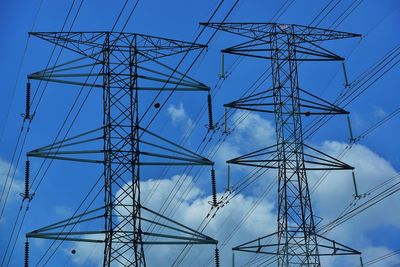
(296, 242)
(120, 64)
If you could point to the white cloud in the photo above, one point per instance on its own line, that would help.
(15, 186)
(179, 117)
(378, 112)
(86, 254)
(63, 211)
(335, 194)
(251, 132)
(377, 251)
(369, 253)
(362, 121)
(331, 197)
(192, 209)
(337, 188)
(177, 113)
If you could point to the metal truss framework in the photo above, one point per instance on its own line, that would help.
(296, 242)
(121, 61)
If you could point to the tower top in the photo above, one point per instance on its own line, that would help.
(148, 47)
(304, 39)
(263, 30)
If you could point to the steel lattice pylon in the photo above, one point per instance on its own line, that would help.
(296, 242)
(125, 62)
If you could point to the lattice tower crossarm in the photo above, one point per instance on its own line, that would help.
(296, 242)
(123, 147)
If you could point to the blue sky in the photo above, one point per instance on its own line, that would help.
(65, 184)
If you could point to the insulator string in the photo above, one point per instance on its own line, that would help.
(28, 101)
(346, 80)
(27, 172)
(210, 115)
(217, 262)
(26, 258)
(214, 188)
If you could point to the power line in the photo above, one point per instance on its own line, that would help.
(19, 72)
(185, 73)
(74, 119)
(375, 199)
(29, 123)
(200, 227)
(220, 119)
(209, 214)
(205, 143)
(23, 143)
(381, 258)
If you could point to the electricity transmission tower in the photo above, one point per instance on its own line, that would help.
(121, 65)
(296, 242)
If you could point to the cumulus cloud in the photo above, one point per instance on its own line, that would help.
(247, 216)
(180, 118)
(370, 170)
(378, 112)
(374, 252)
(86, 254)
(336, 192)
(362, 121)
(192, 208)
(63, 211)
(6, 183)
(253, 132)
(370, 253)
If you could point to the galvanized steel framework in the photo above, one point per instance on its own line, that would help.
(296, 242)
(119, 59)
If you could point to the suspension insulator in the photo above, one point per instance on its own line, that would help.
(346, 80)
(226, 129)
(361, 262)
(356, 195)
(27, 172)
(214, 188)
(210, 115)
(228, 184)
(26, 258)
(217, 263)
(352, 140)
(26, 194)
(28, 101)
(222, 74)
